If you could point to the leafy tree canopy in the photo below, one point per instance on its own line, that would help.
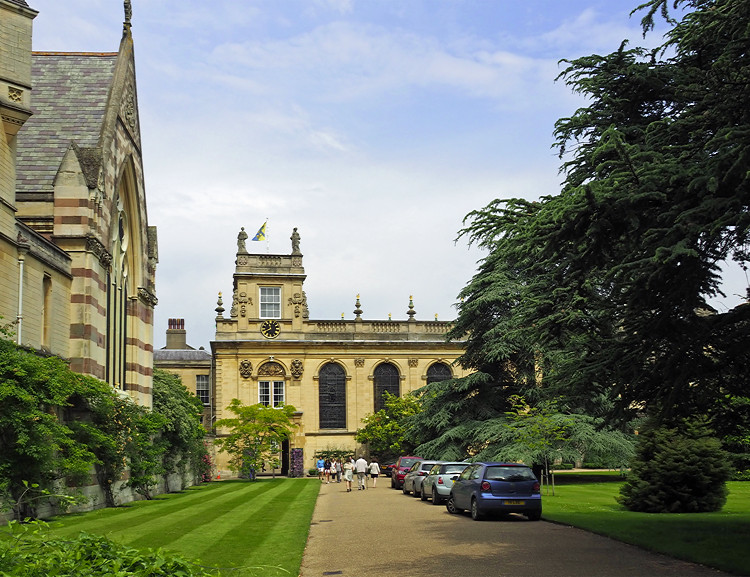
(254, 434)
(384, 432)
(602, 289)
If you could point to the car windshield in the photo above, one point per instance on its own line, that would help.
(427, 466)
(453, 468)
(407, 462)
(509, 474)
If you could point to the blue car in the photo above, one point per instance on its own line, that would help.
(485, 488)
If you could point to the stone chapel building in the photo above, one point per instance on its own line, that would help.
(334, 372)
(77, 255)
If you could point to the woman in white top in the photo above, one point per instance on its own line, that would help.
(374, 472)
(348, 475)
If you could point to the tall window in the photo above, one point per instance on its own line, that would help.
(201, 388)
(438, 372)
(270, 302)
(332, 396)
(271, 393)
(46, 313)
(387, 378)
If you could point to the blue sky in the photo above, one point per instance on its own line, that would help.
(374, 126)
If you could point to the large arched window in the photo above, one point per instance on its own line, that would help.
(332, 396)
(387, 378)
(438, 372)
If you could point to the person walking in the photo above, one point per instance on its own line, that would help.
(349, 474)
(320, 465)
(339, 469)
(327, 471)
(374, 472)
(361, 467)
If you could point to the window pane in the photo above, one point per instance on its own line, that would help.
(270, 302)
(278, 393)
(438, 372)
(388, 379)
(332, 396)
(201, 388)
(264, 393)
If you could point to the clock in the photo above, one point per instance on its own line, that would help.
(270, 329)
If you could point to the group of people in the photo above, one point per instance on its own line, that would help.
(334, 470)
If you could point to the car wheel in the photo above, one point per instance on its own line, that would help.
(534, 515)
(404, 489)
(435, 497)
(393, 484)
(476, 514)
(451, 506)
(415, 493)
(422, 496)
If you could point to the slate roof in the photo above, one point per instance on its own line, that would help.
(19, 2)
(181, 355)
(69, 100)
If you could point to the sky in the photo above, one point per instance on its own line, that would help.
(373, 126)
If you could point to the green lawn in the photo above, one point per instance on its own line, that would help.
(261, 526)
(718, 540)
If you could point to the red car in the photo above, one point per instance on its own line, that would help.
(399, 470)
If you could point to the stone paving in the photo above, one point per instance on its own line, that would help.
(383, 532)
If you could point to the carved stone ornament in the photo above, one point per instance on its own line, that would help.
(97, 249)
(359, 363)
(246, 369)
(413, 363)
(296, 301)
(271, 370)
(297, 369)
(147, 297)
(128, 109)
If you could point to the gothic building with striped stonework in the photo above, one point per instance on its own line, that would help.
(334, 372)
(78, 256)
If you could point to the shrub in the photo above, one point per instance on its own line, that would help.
(677, 470)
(29, 553)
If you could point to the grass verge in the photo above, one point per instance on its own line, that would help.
(249, 528)
(714, 539)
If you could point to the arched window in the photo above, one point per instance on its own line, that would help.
(332, 396)
(438, 372)
(388, 379)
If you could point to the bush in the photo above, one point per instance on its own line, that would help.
(677, 470)
(31, 554)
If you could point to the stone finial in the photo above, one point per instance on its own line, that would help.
(358, 310)
(128, 11)
(295, 243)
(219, 308)
(411, 312)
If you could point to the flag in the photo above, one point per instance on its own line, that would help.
(261, 234)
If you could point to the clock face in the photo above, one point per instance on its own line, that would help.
(270, 329)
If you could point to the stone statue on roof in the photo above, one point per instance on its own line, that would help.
(128, 11)
(241, 238)
(295, 242)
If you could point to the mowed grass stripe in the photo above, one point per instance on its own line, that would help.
(273, 534)
(103, 521)
(165, 530)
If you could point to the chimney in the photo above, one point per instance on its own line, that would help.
(176, 335)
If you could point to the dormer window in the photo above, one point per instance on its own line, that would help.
(270, 302)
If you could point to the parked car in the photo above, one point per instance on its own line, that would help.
(436, 486)
(386, 469)
(400, 468)
(496, 488)
(413, 479)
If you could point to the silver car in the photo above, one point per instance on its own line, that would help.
(415, 476)
(436, 486)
